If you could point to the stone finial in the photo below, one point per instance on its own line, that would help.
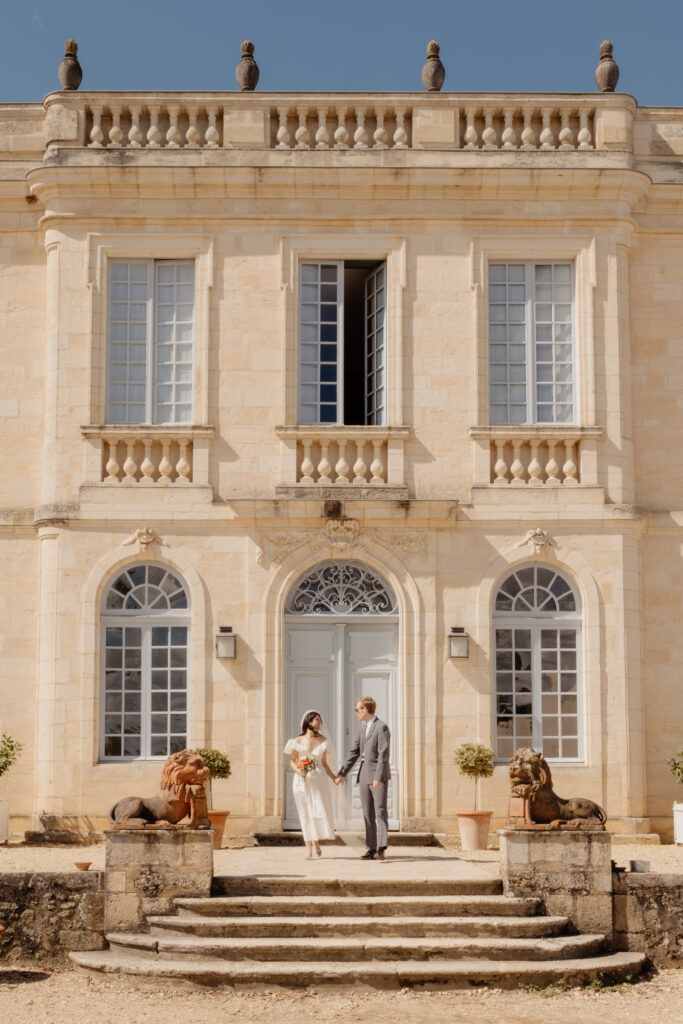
(247, 72)
(433, 72)
(70, 71)
(607, 71)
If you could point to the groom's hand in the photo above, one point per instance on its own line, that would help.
(377, 785)
(339, 780)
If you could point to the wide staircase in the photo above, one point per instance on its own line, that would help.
(381, 933)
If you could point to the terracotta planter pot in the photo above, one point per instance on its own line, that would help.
(218, 819)
(474, 829)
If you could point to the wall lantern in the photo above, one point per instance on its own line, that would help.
(226, 642)
(458, 643)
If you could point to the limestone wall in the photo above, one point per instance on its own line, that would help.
(47, 914)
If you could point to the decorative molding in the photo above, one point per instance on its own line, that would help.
(538, 540)
(144, 537)
(408, 543)
(276, 546)
(342, 533)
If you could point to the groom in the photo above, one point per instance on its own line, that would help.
(372, 746)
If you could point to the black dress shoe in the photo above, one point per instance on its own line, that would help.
(380, 853)
(368, 855)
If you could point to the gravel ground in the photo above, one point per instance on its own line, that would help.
(30, 995)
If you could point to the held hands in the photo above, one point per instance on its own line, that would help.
(339, 780)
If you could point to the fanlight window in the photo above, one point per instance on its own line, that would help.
(146, 588)
(145, 650)
(341, 588)
(537, 671)
(535, 589)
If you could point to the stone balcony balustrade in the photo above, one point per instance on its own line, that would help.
(357, 122)
(367, 461)
(536, 456)
(147, 457)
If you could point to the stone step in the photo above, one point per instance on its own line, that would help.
(228, 885)
(566, 947)
(312, 927)
(295, 838)
(352, 906)
(366, 974)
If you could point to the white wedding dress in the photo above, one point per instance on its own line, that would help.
(313, 795)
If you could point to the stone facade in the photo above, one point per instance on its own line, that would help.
(46, 914)
(247, 187)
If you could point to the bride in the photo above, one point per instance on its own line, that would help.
(311, 789)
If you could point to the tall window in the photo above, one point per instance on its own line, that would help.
(145, 626)
(342, 309)
(150, 341)
(531, 343)
(537, 625)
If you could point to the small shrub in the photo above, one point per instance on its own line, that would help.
(217, 763)
(475, 761)
(9, 752)
(675, 763)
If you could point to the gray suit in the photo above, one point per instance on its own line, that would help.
(374, 753)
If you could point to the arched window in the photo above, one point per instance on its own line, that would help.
(145, 633)
(341, 588)
(537, 624)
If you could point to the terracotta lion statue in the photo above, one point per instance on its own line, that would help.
(534, 802)
(182, 796)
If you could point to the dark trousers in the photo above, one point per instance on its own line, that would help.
(374, 804)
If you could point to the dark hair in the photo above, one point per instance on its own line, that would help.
(307, 719)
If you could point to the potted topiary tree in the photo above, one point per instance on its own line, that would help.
(476, 761)
(219, 767)
(9, 752)
(675, 763)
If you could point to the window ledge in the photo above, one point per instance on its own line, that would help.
(141, 430)
(554, 431)
(334, 430)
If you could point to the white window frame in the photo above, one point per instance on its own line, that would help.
(539, 248)
(535, 622)
(144, 621)
(530, 342)
(102, 248)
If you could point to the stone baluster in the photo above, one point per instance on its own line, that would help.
(322, 136)
(547, 137)
(341, 135)
(517, 469)
(301, 135)
(342, 466)
(324, 467)
(566, 133)
(112, 466)
(400, 135)
(501, 467)
(551, 467)
(585, 138)
(570, 468)
(211, 136)
(135, 132)
(360, 136)
(182, 466)
(489, 136)
(96, 133)
(471, 138)
(282, 139)
(153, 133)
(147, 466)
(130, 466)
(307, 466)
(509, 141)
(165, 465)
(534, 469)
(173, 135)
(192, 135)
(528, 133)
(377, 467)
(380, 135)
(115, 133)
(359, 468)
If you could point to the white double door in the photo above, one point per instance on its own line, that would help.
(329, 665)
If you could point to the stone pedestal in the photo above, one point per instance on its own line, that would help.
(570, 871)
(146, 869)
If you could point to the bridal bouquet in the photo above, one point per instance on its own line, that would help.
(306, 765)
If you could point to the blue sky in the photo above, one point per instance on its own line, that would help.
(356, 45)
